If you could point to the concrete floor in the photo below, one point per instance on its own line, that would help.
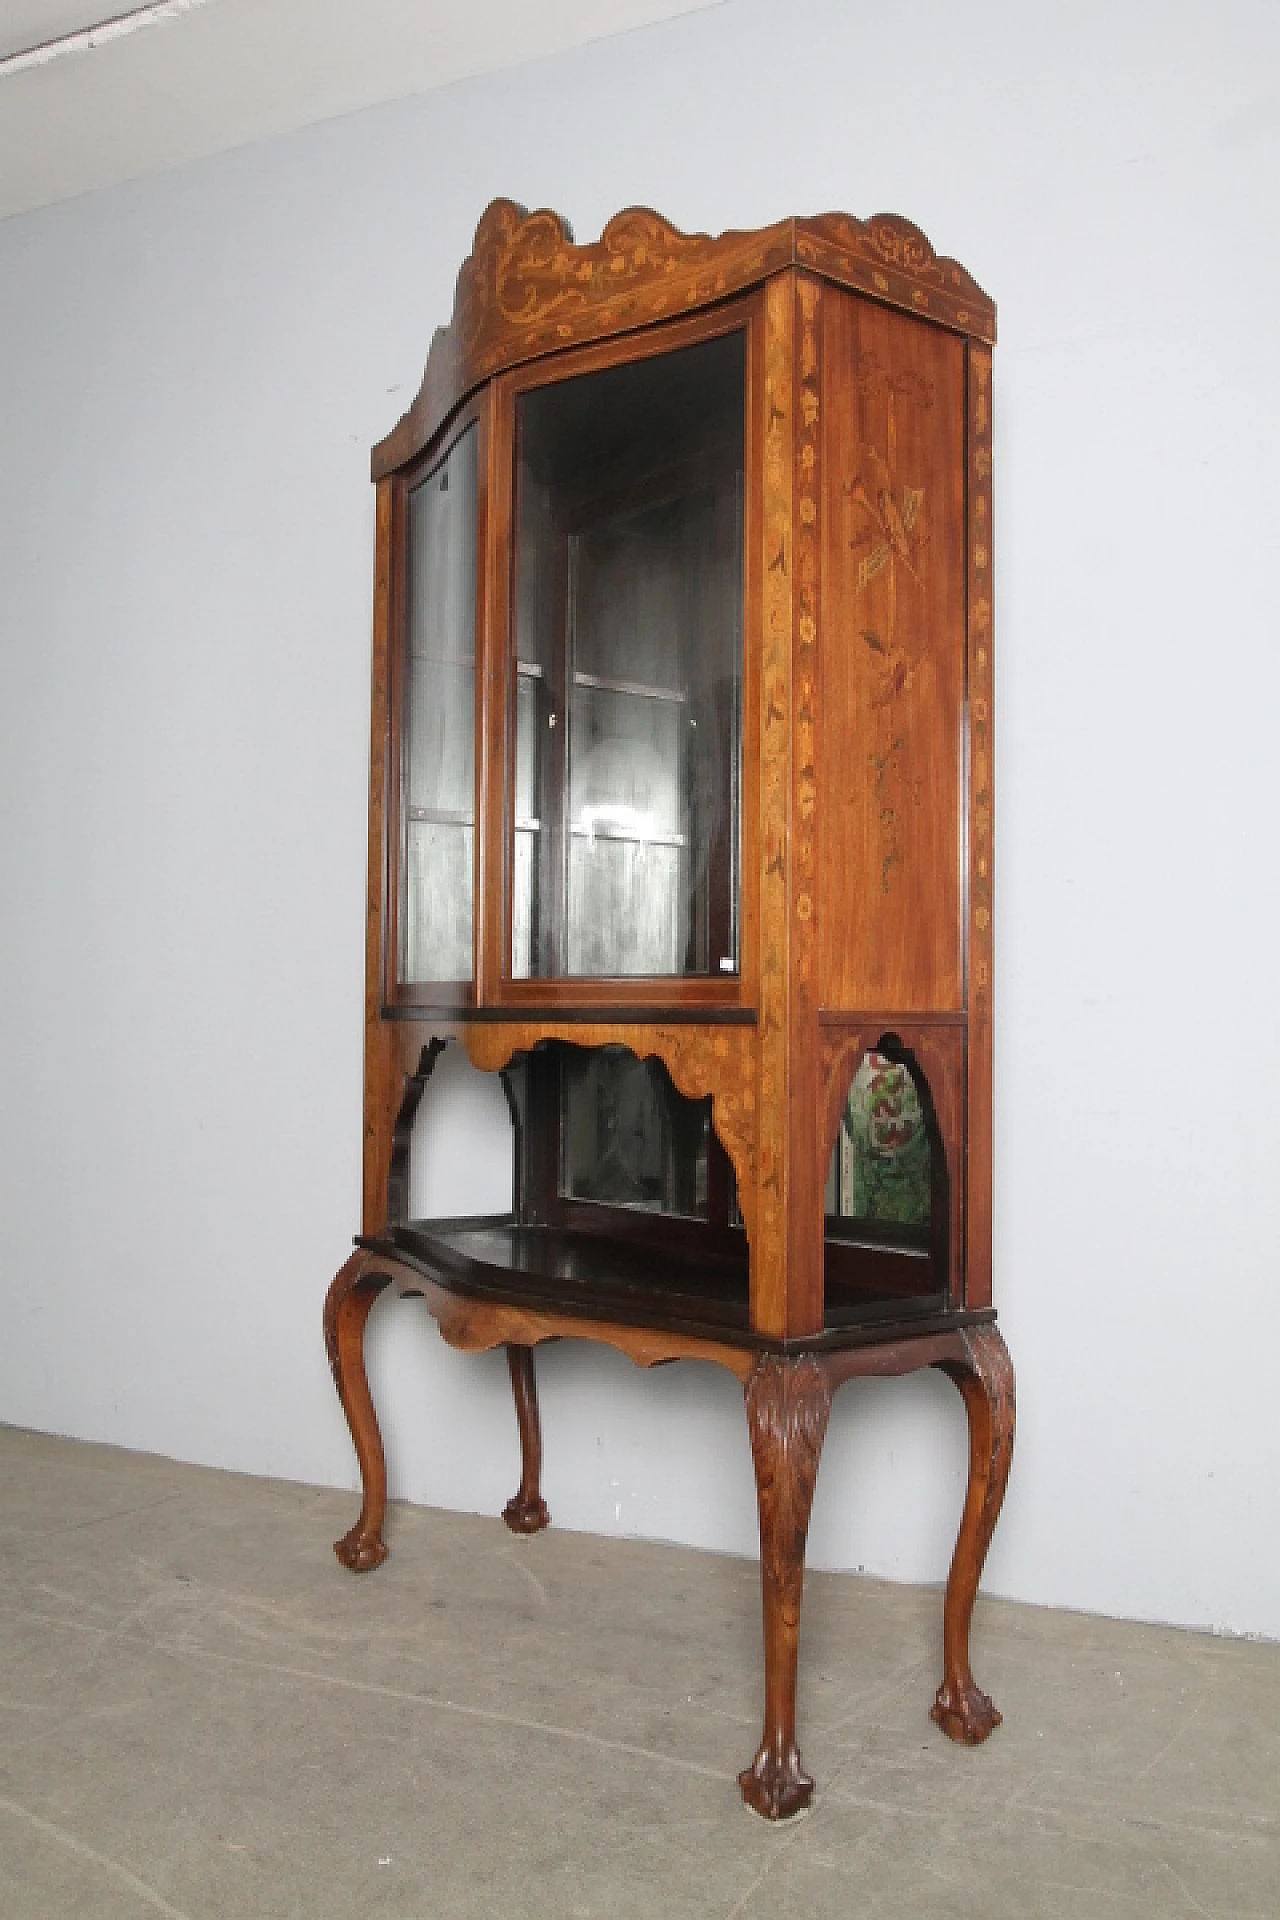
(204, 1715)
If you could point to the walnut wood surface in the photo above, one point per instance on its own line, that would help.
(985, 1378)
(477, 1325)
(807, 1168)
(893, 664)
(415, 1085)
(981, 692)
(788, 1402)
(768, 1231)
(346, 1309)
(526, 290)
(527, 1511)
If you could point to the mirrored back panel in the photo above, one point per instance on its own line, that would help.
(880, 1177)
(885, 1202)
(628, 1138)
(628, 635)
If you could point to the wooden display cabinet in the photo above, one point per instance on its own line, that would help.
(681, 821)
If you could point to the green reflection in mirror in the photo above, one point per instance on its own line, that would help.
(881, 1166)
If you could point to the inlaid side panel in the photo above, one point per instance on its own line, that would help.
(769, 1276)
(805, 1175)
(981, 829)
(891, 708)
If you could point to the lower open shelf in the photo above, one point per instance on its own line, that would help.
(603, 1277)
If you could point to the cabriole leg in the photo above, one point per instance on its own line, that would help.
(527, 1512)
(961, 1709)
(345, 1311)
(787, 1406)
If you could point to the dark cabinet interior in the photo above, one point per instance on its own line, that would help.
(627, 719)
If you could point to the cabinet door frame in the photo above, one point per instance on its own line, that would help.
(712, 997)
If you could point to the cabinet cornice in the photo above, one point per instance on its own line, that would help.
(526, 289)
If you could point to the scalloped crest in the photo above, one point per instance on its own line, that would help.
(527, 289)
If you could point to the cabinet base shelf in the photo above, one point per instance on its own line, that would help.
(594, 1276)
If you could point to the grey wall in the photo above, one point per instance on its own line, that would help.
(192, 370)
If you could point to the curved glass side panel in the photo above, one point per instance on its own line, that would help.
(628, 668)
(438, 726)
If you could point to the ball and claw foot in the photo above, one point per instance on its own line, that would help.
(361, 1551)
(776, 1785)
(527, 1513)
(965, 1714)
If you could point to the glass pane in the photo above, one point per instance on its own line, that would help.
(881, 1169)
(439, 722)
(628, 1138)
(628, 636)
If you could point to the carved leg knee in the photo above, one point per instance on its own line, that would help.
(346, 1310)
(961, 1709)
(788, 1402)
(527, 1511)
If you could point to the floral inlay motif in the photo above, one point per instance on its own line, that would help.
(888, 527)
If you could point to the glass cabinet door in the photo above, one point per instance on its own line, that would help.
(438, 725)
(628, 669)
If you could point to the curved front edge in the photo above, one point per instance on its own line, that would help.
(985, 1379)
(475, 1324)
(346, 1309)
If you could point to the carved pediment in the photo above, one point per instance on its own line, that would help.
(527, 288)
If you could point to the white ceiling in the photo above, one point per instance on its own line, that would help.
(29, 23)
(160, 84)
